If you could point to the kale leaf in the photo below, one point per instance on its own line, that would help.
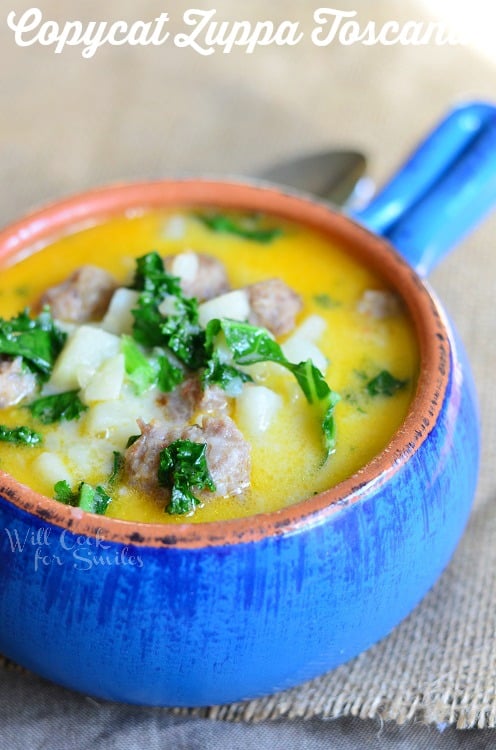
(141, 371)
(57, 407)
(93, 499)
(19, 435)
(248, 228)
(384, 384)
(88, 498)
(179, 330)
(168, 375)
(250, 344)
(37, 340)
(154, 285)
(117, 469)
(182, 468)
(63, 493)
(150, 276)
(145, 371)
(183, 334)
(325, 301)
(229, 378)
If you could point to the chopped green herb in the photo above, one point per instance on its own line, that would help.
(248, 228)
(63, 492)
(57, 407)
(22, 291)
(86, 497)
(250, 344)
(183, 468)
(384, 384)
(325, 301)
(37, 340)
(19, 435)
(117, 467)
(93, 499)
(360, 374)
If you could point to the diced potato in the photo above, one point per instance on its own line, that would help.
(106, 383)
(113, 420)
(56, 440)
(301, 345)
(84, 457)
(185, 265)
(89, 456)
(298, 349)
(175, 228)
(311, 328)
(81, 356)
(234, 305)
(256, 407)
(119, 318)
(116, 420)
(50, 468)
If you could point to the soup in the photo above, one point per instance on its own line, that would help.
(201, 366)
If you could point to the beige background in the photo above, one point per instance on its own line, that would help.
(69, 123)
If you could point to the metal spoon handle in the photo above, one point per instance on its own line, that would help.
(332, 174)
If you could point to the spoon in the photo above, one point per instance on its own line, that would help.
(336, 175)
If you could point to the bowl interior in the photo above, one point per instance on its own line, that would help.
(40, 228)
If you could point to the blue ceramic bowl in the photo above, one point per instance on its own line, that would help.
(194, 615)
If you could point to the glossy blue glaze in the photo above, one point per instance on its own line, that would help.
(443, 190)
(182, 626)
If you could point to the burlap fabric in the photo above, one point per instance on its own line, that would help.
(70, 123)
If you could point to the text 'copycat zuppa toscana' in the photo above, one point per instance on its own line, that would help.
(197, 365)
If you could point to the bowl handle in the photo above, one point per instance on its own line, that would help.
(442, 191)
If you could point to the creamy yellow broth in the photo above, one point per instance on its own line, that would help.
(287, 458)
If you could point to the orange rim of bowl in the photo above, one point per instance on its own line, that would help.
(67, 216)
